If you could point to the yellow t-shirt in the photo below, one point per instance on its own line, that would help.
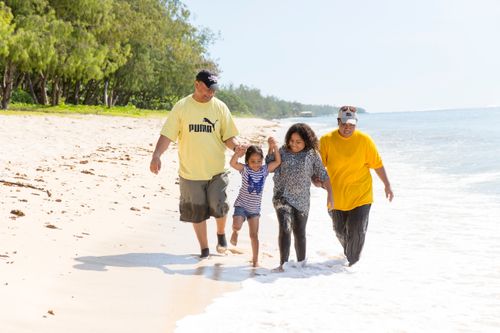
(200, 129)
(348, 162)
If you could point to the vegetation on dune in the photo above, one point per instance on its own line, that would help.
(63, 109)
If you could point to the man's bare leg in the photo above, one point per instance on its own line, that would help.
(221, 234)
(200, 229)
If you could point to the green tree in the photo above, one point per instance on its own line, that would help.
(82, 56)
(101, 51)
(29, 45)
(234, 102)
(166, 52)
(6, 30)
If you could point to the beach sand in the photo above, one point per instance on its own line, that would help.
(90, 240)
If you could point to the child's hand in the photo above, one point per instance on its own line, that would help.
(240, 150)
(272, 142)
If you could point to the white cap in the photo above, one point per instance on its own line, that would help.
(347, 115)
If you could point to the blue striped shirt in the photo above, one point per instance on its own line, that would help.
(252, 185)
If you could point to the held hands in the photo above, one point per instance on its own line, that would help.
(240, 150)
(273, 144)
(317, 182)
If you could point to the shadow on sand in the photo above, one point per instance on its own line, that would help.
(212, 268)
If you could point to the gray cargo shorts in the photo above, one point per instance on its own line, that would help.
(200, 199)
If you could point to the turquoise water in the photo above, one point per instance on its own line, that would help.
(460, 143)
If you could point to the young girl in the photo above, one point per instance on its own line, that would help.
(300, 164)
(247, 204)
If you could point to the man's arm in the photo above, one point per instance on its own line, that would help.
(383, 177)
(161, 147)
(232, 143)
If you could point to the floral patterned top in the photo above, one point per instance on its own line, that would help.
(292, 179)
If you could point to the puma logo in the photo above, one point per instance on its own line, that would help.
(202, 128)
(206, 120)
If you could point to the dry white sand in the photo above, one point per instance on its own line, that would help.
(99, 247)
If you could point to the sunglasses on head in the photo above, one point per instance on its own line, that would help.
(348, 108)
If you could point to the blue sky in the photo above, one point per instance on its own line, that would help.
(384, 55)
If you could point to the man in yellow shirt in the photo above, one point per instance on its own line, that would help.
(348, 155)
(203, 127)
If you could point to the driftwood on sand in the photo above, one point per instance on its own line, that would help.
(19, 184)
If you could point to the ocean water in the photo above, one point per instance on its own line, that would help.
(431, 261)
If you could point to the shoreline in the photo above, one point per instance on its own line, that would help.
(100, 246)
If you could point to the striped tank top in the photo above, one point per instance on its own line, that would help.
(252, 185)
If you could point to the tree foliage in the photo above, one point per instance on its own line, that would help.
(246, 100)
(113, 52)
(6, 28)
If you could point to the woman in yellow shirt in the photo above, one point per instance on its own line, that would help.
(348, 155)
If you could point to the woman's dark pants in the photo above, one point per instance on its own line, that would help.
(350, 227)
(291, 220)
